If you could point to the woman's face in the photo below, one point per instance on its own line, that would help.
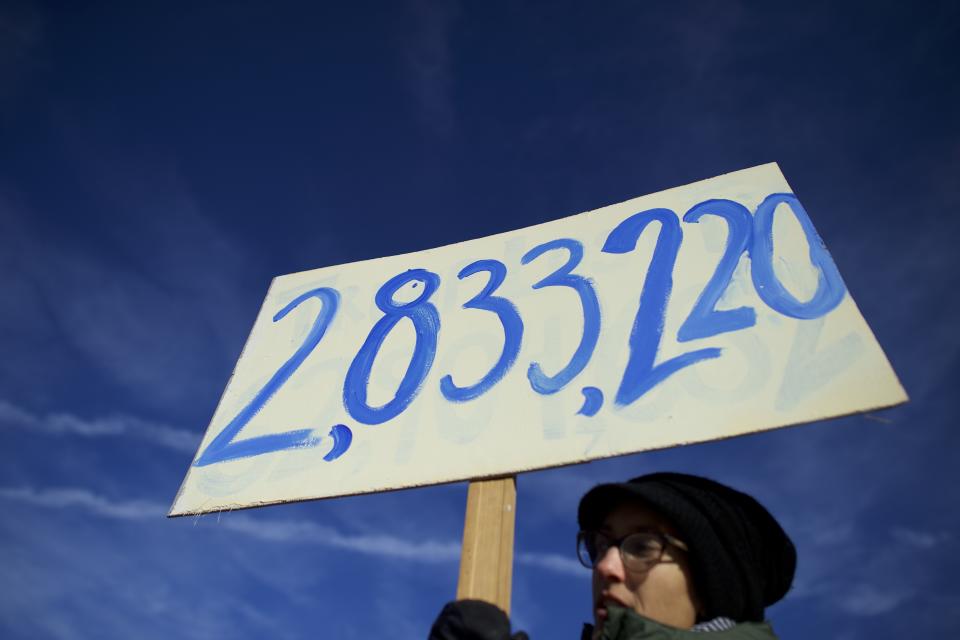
(663, 592)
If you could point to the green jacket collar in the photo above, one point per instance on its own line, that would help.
(623, 624)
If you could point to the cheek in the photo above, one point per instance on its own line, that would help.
(665, 587)
(638, 585)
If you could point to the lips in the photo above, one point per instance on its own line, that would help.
(607, 600)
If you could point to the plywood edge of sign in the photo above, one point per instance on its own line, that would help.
(174, 512)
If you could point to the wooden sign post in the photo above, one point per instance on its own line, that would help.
(486, 559)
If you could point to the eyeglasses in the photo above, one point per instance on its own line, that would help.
(639, 551)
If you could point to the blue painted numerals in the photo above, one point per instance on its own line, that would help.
(512, 331)
(563, 277)
(751, 234)
(426, 324)
(830, 287)
(641, 373)
(223, 447)
(705, 321)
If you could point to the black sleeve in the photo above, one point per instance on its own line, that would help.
(473, 620)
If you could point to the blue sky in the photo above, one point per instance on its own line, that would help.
(159, 165)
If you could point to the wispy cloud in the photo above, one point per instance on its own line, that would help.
(156, 304)
(282, 531)
(67, 498)
(428, 63)
(842, 568)
(871, 600)
(179, 440)
(920, 539)
(551, 562)
(428, 551)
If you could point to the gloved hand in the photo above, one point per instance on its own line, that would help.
(473, 620)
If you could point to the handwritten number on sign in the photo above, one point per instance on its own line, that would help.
(512, 331)
(830, 287)
(641, 373)
(705, 320)
(223, 447)
(562, 277)
(746, 233)
(426, 324)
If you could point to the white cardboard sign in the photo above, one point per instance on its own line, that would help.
(696, 313)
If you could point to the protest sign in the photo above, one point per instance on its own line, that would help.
(700, 312)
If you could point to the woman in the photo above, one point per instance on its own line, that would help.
(673, 556)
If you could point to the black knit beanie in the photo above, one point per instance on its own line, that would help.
(740, 557)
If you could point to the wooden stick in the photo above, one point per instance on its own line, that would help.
(486, 560)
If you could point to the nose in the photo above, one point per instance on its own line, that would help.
(610, 565)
